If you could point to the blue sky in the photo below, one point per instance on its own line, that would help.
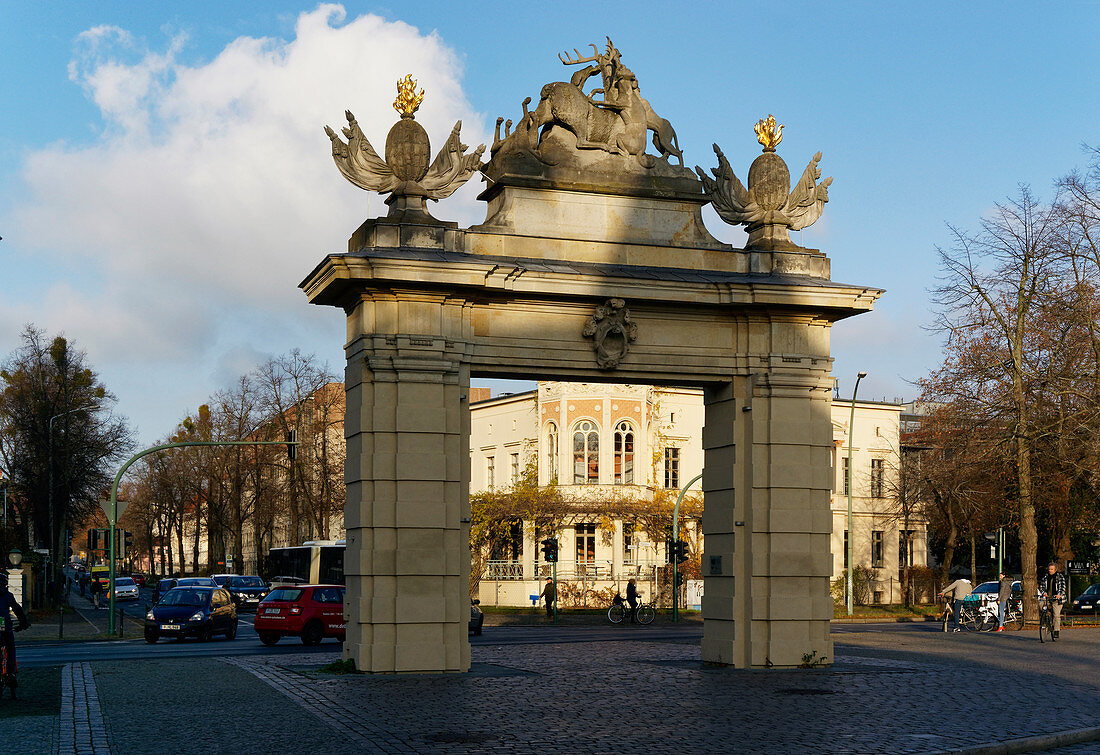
(165, 183)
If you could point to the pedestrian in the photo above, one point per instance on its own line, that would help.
(9, 605)
(955, 592)
(550, 593)
(96, 588)
(632, 600)
(1052, 585)
(83, 583)
(1004, 594)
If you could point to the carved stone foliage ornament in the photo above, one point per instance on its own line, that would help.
(405, 174)
(766, 208)
(612, 332)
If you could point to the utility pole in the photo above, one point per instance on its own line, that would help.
(851, 534)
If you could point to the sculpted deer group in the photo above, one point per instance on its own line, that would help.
(617, 121)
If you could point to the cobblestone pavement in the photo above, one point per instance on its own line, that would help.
(887, 692)
(80, 726)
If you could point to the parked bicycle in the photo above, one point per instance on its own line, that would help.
(620, 611)
(1046, 620)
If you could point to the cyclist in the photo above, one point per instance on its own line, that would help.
(632, 600)
(1052, 586)
(1004, 594)
(8, 605)
(957, 590)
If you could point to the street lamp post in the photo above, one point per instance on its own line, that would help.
(675, 539)
(851, 534)
(49, 494)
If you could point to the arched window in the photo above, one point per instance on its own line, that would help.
(624, 454)
(586, 454)
(552, 453)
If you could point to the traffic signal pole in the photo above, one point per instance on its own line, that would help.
(112, 519)
(676, 538)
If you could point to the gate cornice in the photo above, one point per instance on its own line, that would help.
(340, 280)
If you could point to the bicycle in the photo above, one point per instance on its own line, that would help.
(1046, 619)
(1014, 613)
(980, 618)
(619, 611)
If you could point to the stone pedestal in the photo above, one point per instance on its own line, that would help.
(766, 520)
(407, 471)
(15, 585)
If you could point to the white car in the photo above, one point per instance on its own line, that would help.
(126, 589)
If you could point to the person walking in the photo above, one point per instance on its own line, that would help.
(83, 583)
(8, 606)
(1052, 586)
(550, 593)
(1004, 594)
(632, 600)
(956, 591)
(96, 588)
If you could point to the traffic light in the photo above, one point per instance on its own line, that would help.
(679, 579)
(550, 549)
(93, 540)
(680, 551)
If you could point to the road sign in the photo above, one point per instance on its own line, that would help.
(1078, 567)
(105, 504)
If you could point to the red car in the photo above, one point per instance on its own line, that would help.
(312, 612)
(139, 579)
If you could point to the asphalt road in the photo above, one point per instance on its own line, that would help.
(248, 644)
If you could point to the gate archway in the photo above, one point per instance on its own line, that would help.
(591, 266)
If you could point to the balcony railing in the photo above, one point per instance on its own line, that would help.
(504, 570)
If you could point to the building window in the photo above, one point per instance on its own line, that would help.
(586, 454)
(878, 548)
(672, 468)
(624, 454)
(515, 469)
(847, 481)
(491, 472)
(905, 549)
(878, 477)
(846, 550)
(508, 545)
(586, 544)
(629, 544)
(552, 453)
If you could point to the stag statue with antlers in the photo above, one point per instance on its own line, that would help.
(614, 118)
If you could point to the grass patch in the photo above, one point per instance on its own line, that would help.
(39, 694)
(346, 666)
(887, 611)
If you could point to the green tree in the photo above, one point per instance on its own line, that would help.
(46, 380)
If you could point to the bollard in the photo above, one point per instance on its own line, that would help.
(61, 622)
(120, 623)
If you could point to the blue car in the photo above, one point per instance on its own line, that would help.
(1086, 602)
(194, 611)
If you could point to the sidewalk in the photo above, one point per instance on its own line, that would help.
(81, 622)
(898, 691)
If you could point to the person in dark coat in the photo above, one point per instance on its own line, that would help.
(8, 606)
(1004, 594)
(551, 595)
(632, 600)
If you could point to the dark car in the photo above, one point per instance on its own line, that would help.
(1086, 602)
(246, 592)
(196, 582)
(477, 618)
(311, 612)
(161, 587)
(192, 611)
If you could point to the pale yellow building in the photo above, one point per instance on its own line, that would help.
(598, 439)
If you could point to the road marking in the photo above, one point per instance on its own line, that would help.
(80, 726)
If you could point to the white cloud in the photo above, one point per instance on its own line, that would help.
(211, 192)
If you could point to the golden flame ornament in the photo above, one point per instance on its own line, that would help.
(768, 134)
(408, 99)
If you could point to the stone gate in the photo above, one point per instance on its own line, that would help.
(593, 264)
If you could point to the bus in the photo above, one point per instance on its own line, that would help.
(313, 562)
